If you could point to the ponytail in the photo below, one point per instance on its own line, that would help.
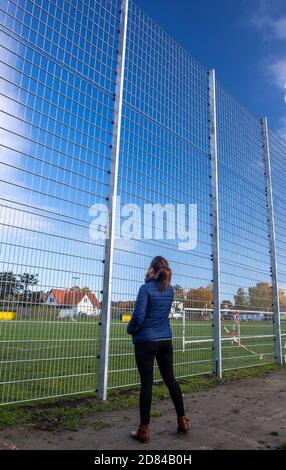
(164, 277)
(162, 271)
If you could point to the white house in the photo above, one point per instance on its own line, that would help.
(73, 303)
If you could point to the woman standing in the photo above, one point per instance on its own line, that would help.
(152, 338)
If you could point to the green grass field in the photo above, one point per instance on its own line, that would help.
(41, 359)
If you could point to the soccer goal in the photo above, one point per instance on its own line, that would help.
(231, 320)
(195, 316)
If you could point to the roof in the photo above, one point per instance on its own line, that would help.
(72, 297)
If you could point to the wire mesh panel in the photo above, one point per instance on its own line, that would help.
(58, 62)
(277, 147)
(164, 162)
(246, 286)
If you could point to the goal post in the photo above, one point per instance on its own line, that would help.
(195, 314)
(232, 331)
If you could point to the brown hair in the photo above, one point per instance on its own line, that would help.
(162, 271)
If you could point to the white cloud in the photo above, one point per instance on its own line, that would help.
(282, 129)
(10, 139)
(272, 27)
(279, 28)
(260, 22)
(14, 219)
(277, 71)
(269, 27)
(13, 132)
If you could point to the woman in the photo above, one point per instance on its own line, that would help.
(152, 338)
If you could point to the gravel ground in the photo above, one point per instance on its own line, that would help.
(246, 414)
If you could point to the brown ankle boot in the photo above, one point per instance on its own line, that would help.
(183, 425)
(142, 434)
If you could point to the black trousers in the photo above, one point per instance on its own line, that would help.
(145, 353)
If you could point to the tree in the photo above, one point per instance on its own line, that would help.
(37, 297)
(241, 300)
(9, 285)
(200, 297)
(261, 297)
(179, 293)
(282, 300)
(227, 304)
(25, 281)
(76, 288)
(86, 290)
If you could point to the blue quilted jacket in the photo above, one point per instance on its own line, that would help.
(150, 318)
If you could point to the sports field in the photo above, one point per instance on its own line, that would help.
(40, 359)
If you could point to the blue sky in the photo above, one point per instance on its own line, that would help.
(244, 40)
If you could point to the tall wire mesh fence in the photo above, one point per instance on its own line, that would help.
(277, 147)
(55, 136)
(246, 284)
(58, 74)
(163, 159)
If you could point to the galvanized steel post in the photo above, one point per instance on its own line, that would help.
(109, 247)
(215, 226)
(271, 221)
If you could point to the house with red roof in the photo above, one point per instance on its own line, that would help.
(73, 302)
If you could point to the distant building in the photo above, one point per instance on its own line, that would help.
(177, 310)
(73, 303)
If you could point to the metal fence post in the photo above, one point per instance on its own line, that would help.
(109, 247)
(215, 225)
(271, 221)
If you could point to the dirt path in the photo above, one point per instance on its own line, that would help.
(247, 414)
